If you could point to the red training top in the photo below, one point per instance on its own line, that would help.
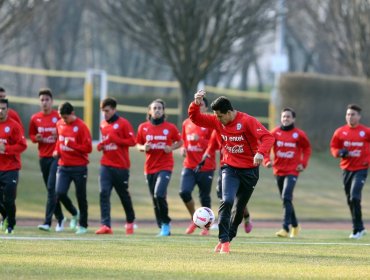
(46, 126)
(196, 140)
(242, 138)
(11, 134)
(290, 149)
(118, 136)
(74, 143)
(158, 136)
(356, 140)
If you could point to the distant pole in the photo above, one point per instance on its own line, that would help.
(279, 62)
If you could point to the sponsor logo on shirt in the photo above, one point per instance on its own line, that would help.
(110, 147)
(289, 154)
(286, 144)
(155, 137)
(353, 144)
(236, 149)
(193, 148)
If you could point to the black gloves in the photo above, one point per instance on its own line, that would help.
(343, 153)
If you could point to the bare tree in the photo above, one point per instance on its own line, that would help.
(191, 36)
(337, 33)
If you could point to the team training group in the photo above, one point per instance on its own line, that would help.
(64, 142)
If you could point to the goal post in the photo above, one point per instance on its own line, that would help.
(89, 94)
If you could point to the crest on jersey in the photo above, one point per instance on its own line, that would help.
(75, 128)
(362, 133)
(115, 126)
(238, 126)
(165, 131)
(54, 120)
(295, 135)
(7, 129)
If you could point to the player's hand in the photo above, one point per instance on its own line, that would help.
(100, 146)
(300, 167)
(257, 160)
(38, 137)
(198, 96)
(268, 164)
(55, 154)
(167, 149)
(343, 153)
(183, 152)
(147, 146)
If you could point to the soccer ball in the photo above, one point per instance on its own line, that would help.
(203, 217)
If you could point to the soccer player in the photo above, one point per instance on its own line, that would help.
(158, 138)
(72, 148)
(214, 145)
(11, 113)
(12, 144)
(291, 152)
(43, 131)
(245, 141)
(351, 143)
(117, 136)
(196, 140)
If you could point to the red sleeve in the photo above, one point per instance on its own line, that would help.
(214, 143)
(183, 135)
(139, 137)
(263, 135)
(20, 143)
(335, 144)
(84, 145)
(202, 120)
(306, 148)
(32, 131)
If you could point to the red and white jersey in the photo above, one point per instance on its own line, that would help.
(290, 149)
(117, 136)
(12, 114)
(356, 140)
(46, 126)
(241, 138)
(159, 136)
(73, 144)
(196, 140)
(11, 134)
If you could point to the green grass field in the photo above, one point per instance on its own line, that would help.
(316, 254)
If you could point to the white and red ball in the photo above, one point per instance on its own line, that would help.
(203, 217)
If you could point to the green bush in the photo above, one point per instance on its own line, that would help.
(320, 102)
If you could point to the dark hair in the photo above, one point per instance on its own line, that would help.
(4, 101)
(288, 109)
(354, 107)
(222, 104)
(148, 116)
(2, 89)
(109, 101)
(65, 108)
(46, 91)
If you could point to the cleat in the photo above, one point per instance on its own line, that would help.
(104, 230)
(165, 230)
(129, 228)
(282, 233)
(9, 230)
(81, 230)
(60, 225)
(4, 225)
(191, 228)
(357, 234)
(248, 226)
(225, 248)
(295, 231)
(74, 220)
(214, 227)
(204, 232)
(44, 227)
(218, 247)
